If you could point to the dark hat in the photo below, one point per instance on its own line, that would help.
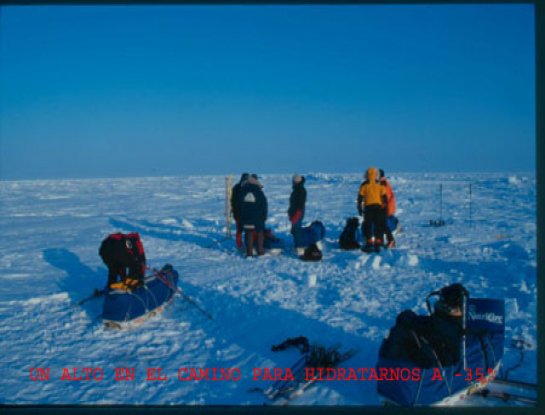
(355, 222)
(244, 176)
(380, 173)
(253, 179)
(453, 295)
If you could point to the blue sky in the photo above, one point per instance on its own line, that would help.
(110, 91)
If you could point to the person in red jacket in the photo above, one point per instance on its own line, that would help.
(389, 208)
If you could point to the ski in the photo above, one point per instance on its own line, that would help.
(515, 384)
(283, 392)
(308, 383)
(511, 390)
(160, 276)
(96, 293)
(281, 386)
(506, 396)
(287, 387)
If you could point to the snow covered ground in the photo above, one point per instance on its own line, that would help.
(51, 232)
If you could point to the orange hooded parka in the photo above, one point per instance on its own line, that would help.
(371, 191)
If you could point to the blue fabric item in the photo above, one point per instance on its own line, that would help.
(124, 306)
(392, 222)
(313, 233)
(485, 319)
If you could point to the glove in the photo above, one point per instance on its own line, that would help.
(296, 217)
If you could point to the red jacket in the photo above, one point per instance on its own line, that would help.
(390, 197)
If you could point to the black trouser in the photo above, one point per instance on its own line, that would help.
(374, 223)
(251, 234)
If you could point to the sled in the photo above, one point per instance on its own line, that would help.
(312, 234)
(483, 349)
(128, 309)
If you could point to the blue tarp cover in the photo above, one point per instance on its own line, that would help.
(313, 233)
(124, 306)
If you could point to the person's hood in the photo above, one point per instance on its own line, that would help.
(244, 177)
(298, 181)
(371, 174)
(253, 180)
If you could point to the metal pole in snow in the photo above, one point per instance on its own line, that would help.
(441, 203)
(464, 327)
(470, 204)
(230, 212)
(227, 206)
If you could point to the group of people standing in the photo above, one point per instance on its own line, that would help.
(249, 207)
(375, 202)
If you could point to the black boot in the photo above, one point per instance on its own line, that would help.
(368, 247)
(260, 241)
(249, 242)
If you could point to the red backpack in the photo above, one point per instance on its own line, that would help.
(133, 244)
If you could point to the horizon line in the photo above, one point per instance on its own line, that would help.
(171, 176)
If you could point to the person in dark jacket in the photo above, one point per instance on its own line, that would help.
(296, 210)
(121, 252)
(235, 207)
(253, 214)
(429, 341)
(348, 238)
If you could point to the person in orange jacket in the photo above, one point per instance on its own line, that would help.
(371, 199)
(389, 209)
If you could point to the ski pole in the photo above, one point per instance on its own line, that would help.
(217, 242)
(161, 278)
(197, 306)
(97, 293)
(464, 329)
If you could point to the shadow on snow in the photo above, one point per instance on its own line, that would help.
(80, 281)
(204, 239)
(256, 327)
